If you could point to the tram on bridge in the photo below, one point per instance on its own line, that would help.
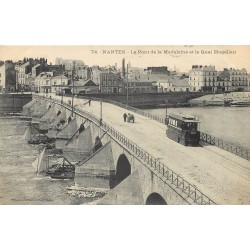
(183, 129)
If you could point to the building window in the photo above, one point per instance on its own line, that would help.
(110, 82)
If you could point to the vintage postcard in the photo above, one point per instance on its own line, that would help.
(125, 125)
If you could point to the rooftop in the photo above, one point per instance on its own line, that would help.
(203, 68)
(45, 75)
(83, 83)
(60, 77)
(176, 81)
(25, 64)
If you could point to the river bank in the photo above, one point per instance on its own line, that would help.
(218, 99)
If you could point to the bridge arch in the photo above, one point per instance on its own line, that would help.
(123, 168)
(155, 199)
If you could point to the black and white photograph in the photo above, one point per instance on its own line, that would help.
(108, 108)
(125, 125)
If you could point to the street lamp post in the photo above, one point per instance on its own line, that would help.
(101, 104)
(72, 76)
(127, 85)
(61, 91)
(166, 117)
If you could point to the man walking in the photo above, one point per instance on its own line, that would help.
(125, 117)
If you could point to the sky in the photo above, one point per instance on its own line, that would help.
(181, 57)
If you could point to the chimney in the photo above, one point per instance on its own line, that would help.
(123, 67)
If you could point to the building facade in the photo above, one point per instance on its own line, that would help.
(84, 87)
(26, 74)
(43, 82)
(22, 71)
(202, 78)
(58, 83)
(95, 73)
(7, 77)
(111, 82)
(173, 84)
(223, 84)
(82, 72)
(237, 77)
(141, 86)
(69, 63)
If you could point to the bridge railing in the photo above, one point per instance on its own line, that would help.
(137, 111)
(132, 109)
(230, 147)
(168, 176)
(164, 172)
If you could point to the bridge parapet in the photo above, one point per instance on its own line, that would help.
(133, 109)
(230, 147)
(210, 139)
(187, 191)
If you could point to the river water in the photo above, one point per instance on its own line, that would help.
(19, 183)
(228, 123)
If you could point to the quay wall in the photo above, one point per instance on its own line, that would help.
(13, 103)
(149, 100)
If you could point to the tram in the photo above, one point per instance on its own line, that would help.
(183, 129)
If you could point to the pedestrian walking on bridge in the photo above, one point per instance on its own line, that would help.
(125, 117)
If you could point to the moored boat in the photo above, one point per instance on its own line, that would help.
(227, 101)
(61, 171)
(240, 103)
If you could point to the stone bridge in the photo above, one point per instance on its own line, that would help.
(170, 174)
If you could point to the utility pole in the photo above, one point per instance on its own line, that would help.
(166, 117)
(101, 103)
(73, 89)
(127, 85)
(61, 90)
